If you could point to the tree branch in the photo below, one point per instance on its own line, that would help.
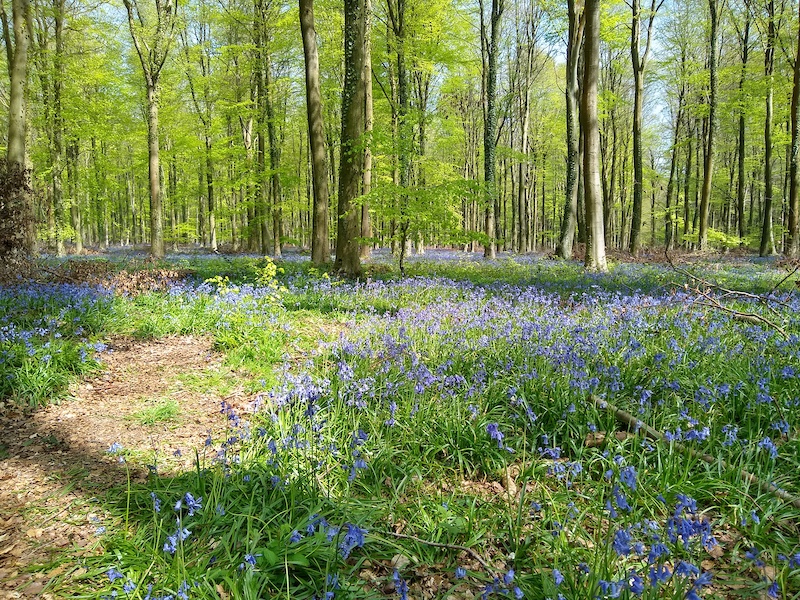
(630, 421)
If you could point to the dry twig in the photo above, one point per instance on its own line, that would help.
(469, 551)
(631, 422)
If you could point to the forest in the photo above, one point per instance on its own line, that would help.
(220, 125)
(399, 299)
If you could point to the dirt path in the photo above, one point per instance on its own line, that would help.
(54, 463)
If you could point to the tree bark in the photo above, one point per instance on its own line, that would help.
(767, 245)
(794, 149)
(152, 56)
(595, 234)
(351, 164)
(569, 222)
(741, 179)
(490, 41)
(639, 64)
(708, 164)
(366, 224)
(320, 245)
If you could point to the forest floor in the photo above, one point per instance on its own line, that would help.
(54, 462)
(422, 437)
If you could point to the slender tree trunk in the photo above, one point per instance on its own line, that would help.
(767, 241)
(793, 247)
(490, 39)
(572, 91)
(156, 223)
(276, 191)
(708, 165)
(742, 177)
(366, 224)
(320, 244)
(595, 235)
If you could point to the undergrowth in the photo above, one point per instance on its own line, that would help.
(437, 439)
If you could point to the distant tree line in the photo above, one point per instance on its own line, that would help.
(342, 125)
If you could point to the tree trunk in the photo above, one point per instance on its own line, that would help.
(489, 42)
(793, 248)
(276, 190)
(156, 223)
(741, 180)
(366, 224)
(351, 164)
(708, 165)
(569, 221)
(595, 234)
(320, 245)
(767, 241)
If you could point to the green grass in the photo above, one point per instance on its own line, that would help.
(400, 407)
(165, 410)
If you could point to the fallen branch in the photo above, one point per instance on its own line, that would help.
(746, 317)
(469, 551)
(632, 422)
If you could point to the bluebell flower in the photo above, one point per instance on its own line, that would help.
(183, 590)
(622, 542)
(400, 585)
(461, 572)
(129, 587)
(354, 538)
(774, 590)
(495, 433)
(113, 574)
(558, 578)
(627, 475)
(686, 569)
(508, 578)
(295, 537)
(115, 448)
(659, 574)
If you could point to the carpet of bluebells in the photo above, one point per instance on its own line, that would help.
(366, 467)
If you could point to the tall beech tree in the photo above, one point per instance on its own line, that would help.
(572, 97)
(16, 236)
(793, 247)
(639, 63)
(592, 187)
(490, 31)
(767, 245)
(713, 125)
(152, 30)
(351, 163)
(320, 244)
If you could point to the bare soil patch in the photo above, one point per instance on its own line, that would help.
(54, 462)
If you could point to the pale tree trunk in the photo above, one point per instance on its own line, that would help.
(708, 165)
(397, 16)
(351, 165)
(767, 240)
(744, 43)
(639, 63)
(274, 162)
(793, 248)
(156, 223)
(366, 224)
(668, 223)
(570, 219)
(320, 244)
(16, 231)
(595, 234)
(152, 45)
(490, 40)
